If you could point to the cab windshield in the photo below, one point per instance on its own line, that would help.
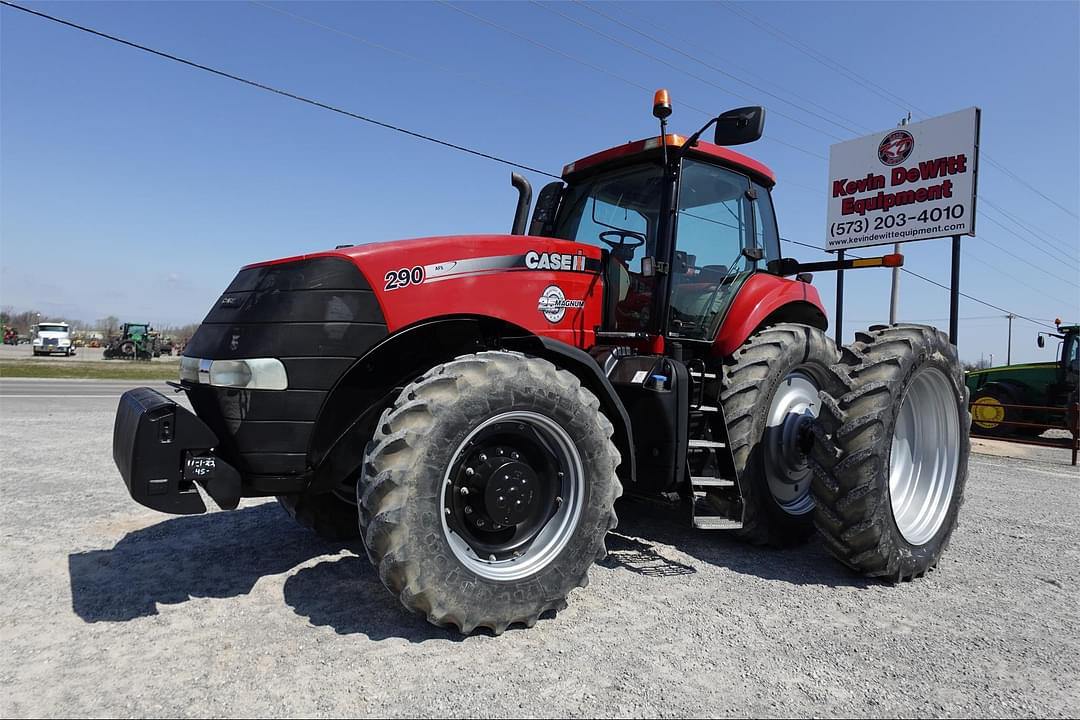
(52, 328)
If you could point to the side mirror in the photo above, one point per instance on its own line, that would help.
(1040, 341)
(740, 126)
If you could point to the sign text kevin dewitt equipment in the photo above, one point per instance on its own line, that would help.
(914, 182)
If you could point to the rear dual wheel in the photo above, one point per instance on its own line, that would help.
(890, 459)
(770, 400)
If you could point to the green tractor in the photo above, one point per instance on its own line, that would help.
(1050, 386)
(137, 341)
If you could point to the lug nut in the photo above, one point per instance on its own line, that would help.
(469, 472)
(498, 451)
(483, 457)
(468, 510)
(447, 511)
(491, 558)
(464, 491)
(558, 501)
(479, 522)
(514, 456)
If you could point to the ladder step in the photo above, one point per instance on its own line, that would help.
(717, 523)
(705, 445)
(711, 482)
(707, 376)
(705, 408)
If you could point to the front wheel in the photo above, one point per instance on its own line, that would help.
(891, 455)
(487, 491)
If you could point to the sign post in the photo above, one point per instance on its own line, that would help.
(915, 182)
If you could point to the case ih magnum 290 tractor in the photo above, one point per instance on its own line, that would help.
(472, 406)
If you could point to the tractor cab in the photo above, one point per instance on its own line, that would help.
(1064, 388)
(683, 224)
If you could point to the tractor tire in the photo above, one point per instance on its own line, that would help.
(326, 514)
(127, 349)
(502, 562)
(989, 416)
(771, 387)
(891, 452)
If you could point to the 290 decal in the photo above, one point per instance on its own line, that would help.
(397, 279)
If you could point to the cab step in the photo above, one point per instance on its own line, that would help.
(715, 522)
(705, 445)
(711, 482)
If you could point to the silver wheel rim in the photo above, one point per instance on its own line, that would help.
(559, 529)
(795, 404)
(925, 457)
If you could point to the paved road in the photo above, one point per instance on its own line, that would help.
(110, 609)
(29, 388)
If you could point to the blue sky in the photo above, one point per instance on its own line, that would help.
(136, 187)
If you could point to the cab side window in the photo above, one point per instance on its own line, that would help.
(768, 237)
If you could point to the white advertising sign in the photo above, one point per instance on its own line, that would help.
(914, 182)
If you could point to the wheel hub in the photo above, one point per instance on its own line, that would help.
(787, 438)
(512, 495)
(511, 492)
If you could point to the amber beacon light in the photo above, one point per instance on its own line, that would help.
(661, 105)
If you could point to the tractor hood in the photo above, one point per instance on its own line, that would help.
(500, 276)
(316, 316)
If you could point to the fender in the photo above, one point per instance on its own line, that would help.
(764, 299)
(354, 404)
(591, 376)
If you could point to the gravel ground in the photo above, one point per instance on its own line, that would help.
(113, 610)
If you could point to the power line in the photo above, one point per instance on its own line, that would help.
(1056, 258)
(603, 70)
(877, 89)
(932, 282)
(385, 48)
(701, 50)
(347, 113)
(276, 91)
(686, 72)
(1030, 229)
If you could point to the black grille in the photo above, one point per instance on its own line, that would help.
(318, 316)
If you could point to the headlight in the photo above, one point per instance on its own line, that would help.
(37, 341)
(189, 369)
(65, 341)
(248, 374)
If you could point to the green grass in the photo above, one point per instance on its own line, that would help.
(104, 370)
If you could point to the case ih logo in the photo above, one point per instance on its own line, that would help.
(896, 147)
(553, 303)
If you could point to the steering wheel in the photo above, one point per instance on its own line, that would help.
(623, 235)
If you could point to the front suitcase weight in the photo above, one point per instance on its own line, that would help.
(161, 450)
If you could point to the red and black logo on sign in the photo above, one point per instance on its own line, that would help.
(895, 147)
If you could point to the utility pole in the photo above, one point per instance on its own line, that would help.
(894, 298)
(1008, 356)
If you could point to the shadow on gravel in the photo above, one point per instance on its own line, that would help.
(641, 522)
(219, 555)
(346, 594)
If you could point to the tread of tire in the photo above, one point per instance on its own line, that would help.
(848, 516)
(388, 459)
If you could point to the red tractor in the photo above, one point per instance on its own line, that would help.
(472, 406)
